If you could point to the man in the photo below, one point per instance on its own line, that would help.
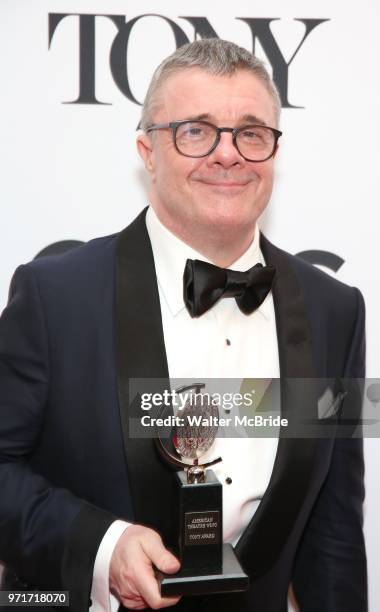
(88, 509)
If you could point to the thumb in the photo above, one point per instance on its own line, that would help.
(169, 564)
(160, 556)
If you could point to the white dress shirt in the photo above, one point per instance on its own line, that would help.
(222, 344)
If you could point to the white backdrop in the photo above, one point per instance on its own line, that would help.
(70, 171)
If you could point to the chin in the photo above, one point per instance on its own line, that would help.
(229, 216)
(227, 225)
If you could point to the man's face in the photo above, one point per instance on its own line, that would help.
(220, 193)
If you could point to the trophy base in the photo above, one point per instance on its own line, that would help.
(232, 578)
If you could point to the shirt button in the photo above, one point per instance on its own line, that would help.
(228, 342)
(228, 480)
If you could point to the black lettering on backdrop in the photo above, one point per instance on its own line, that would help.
(119, 51)
(322, 258)
(260, 30)
(86, 55)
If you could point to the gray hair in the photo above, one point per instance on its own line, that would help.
(216, 56)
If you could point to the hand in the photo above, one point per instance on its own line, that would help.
(132, 579)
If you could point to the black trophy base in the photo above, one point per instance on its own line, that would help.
(231, 579)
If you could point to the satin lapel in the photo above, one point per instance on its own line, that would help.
(266, 534)
(140, 352)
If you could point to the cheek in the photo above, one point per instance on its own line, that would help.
(265, 173)
(176, 171)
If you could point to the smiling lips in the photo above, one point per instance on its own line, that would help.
(223, 182)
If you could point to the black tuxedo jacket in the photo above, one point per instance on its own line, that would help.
(76, 328)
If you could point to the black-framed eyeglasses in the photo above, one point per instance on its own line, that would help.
(255, 143)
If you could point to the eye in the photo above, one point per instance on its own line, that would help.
(250, 134)
(194, 130)
(255, 136)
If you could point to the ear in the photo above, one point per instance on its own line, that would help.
(145, 149)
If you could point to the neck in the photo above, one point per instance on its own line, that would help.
(216, 244)
(219, 252)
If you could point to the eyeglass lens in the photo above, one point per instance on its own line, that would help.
(196, 138)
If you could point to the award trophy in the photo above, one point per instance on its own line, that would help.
(207, 564)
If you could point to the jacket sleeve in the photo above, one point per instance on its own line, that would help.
(48, 536)
(330, 569)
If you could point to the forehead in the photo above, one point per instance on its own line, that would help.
(194, 92)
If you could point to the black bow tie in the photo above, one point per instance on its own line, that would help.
(204, 284)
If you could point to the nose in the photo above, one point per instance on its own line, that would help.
(225, 154)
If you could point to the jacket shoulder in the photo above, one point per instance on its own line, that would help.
(84, 270)
(318, 284)
(79, 257)
(333, 306)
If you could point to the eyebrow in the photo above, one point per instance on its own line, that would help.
(253, 119)
(245, 120)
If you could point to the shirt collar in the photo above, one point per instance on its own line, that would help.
(170, 255)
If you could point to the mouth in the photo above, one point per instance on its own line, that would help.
(224, 180)
(221, 184)
(225, 183)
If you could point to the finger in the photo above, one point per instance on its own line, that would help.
(162, 558)
(132, 604)
(147, 586)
